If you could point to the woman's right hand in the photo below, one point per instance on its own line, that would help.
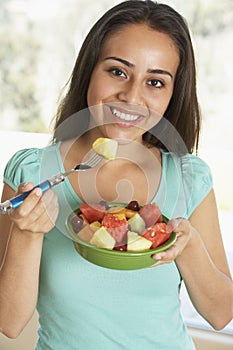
(38, 212)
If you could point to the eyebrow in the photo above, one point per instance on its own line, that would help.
(131, 65)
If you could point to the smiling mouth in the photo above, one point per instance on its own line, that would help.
(129, 118)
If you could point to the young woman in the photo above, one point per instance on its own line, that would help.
(134, 81)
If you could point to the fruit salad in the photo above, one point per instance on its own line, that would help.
(125, 228)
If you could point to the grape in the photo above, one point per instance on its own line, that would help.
(133, 205)
(121, 248)
(77, 223)
(104, 204)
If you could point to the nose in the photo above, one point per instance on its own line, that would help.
(131, 93)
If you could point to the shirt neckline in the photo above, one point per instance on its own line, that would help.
(68, 185)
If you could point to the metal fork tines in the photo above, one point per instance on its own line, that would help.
(93, 160)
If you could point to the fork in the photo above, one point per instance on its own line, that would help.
(93, 160)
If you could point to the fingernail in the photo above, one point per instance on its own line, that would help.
(38, 192)
(158, 257)
(24, 184)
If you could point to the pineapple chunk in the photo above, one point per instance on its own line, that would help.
(121, 210)
(103, 239)
(115, 210)
(95, 225)
(136, 242)
(105, 147)
(120, 216)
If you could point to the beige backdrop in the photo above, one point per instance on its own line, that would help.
(26, 340)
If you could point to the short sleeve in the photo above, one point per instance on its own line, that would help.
(197, 181)
(22, 167)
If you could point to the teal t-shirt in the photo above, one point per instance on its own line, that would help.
(82, 306)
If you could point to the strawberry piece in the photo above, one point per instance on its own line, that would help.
(151, 214)
(115, 226)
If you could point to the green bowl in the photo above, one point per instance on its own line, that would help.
(114, 259)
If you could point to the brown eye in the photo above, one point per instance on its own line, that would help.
(156, 83)
(117, 72)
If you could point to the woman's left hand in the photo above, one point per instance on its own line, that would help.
(183, 230)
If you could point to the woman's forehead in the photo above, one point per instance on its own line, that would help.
(139, 42)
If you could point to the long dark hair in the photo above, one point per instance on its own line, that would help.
(183, 110)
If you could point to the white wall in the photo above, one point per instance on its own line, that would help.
(10, 142)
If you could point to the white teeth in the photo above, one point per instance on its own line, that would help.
(124, 116)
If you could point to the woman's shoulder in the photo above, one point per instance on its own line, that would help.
(24, 155)
(197, 168)
(192, 174)
(189, 165)
(24, 165)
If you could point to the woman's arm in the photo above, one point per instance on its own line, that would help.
(22, 234)
(201, 259)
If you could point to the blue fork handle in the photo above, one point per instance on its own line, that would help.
(18, 200)
(15, 202)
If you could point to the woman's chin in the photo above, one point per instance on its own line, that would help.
(123, 137)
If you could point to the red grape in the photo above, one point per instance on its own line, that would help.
(133, 205)
(77, 223)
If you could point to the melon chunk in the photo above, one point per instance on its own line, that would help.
(86, 233)
(136, 242)
(103, 239)
(137, 224)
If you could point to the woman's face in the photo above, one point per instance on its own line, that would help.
(132, 82)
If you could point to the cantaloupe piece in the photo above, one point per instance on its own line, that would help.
(103, 239)
(136, 242)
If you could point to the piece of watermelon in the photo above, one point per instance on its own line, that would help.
(92, 212)
(151, 214)
(157, 234)
(116, 227)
